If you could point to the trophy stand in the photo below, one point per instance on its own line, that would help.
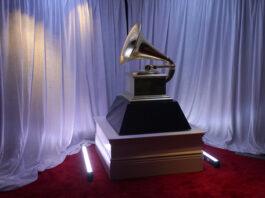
(145, 132)
(145, 107)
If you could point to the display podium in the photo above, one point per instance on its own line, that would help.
(145, 132)
(142, 155)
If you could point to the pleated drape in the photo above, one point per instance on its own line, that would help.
(218, 48)
(52, 84)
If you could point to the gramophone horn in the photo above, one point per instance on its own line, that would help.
(137, 47)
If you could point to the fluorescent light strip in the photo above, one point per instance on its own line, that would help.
(209, 156)
(87, 160)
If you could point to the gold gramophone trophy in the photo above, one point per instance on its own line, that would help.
(144, 107)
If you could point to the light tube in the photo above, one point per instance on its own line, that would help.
(87, 163)
(208, 155)
(210, 159)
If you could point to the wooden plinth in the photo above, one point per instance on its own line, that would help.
(132, 156)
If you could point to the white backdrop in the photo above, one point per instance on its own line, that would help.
(218, 48)
(52, 84)
(59, 67)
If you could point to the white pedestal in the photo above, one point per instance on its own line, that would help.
(131, 156)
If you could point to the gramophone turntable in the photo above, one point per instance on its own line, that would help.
(144, 107)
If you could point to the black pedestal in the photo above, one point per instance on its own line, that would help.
(141, 117)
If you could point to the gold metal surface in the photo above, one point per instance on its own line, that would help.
(137, 47)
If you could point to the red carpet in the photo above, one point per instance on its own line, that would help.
(238, 177)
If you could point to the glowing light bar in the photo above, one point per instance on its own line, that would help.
(210, 159)
(87, 163)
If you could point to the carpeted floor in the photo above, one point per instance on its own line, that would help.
(239, 176)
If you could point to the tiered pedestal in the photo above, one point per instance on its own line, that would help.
(132, 156)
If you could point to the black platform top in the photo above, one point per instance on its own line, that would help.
(139, 117)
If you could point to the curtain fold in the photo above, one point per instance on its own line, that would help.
(113, 24)
(218, 48)
(52, 84)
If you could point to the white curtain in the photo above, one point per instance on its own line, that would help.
(52, 83)
(113, 25)
(218, 48)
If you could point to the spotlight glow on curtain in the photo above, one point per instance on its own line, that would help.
(52, 84)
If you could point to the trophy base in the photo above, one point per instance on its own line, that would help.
(140, 117)
(143, 84)
(146, 73)
(131, 98)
